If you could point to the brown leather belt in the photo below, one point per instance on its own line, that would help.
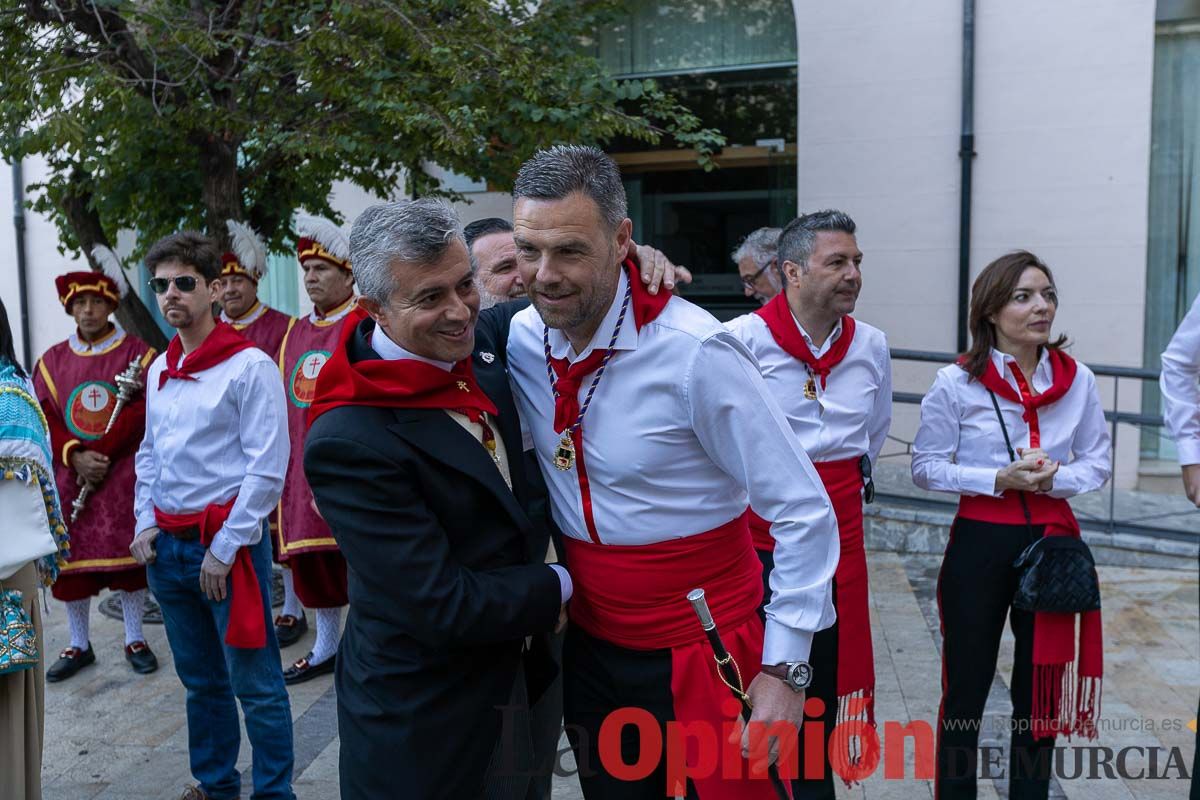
(190, 533)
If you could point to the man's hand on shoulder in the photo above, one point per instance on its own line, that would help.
(212, 577)
(657, 269)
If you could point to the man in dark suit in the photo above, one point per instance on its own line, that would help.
(415, 460)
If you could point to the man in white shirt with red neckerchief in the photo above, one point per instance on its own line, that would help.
(209, 470)
(314, 569)
(832, 375)
(652, 385)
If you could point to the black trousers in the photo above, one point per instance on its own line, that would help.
(598, 678)
(823, 659)
(975, 590)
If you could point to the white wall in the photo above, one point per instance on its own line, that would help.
(1062, 124)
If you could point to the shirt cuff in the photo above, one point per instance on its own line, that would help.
(69, 448)
(782, 644)
(145, 521)
(1189, 452)
(978, 480)
(222, 548)
(565, 586)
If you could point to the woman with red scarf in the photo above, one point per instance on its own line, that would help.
(1052, 414)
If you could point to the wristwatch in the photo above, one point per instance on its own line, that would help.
(796, 674)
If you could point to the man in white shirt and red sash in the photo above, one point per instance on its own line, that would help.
(242, 268)
(76, 384)
(209, 471)
(314, 570)
(654, 431)
(832, 375)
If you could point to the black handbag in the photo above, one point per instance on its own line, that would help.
(1056, 574)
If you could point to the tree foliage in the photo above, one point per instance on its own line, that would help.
(156, 115)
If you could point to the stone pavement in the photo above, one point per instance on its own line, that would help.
(118, 736)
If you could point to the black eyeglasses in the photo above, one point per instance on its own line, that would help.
(184, 283)
(753, 279)
(864, 466)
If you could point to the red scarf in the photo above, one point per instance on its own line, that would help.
(1063, 702)
(219, 345)
(786, 332)
(247, 622)
(401, 383)
(645, 307)
(1062, 368)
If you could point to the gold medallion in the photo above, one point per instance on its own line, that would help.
(564, 454)
(810, 389)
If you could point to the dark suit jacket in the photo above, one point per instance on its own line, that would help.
(446, 578)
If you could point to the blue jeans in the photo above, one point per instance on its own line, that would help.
(214, 673)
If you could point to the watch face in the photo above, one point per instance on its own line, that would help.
(800, 675)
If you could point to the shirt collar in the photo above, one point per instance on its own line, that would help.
(317, 318)
(829, 340)
(105, 344)
(257, 310)
(560, 345)
(390, 351)
(1043, 374)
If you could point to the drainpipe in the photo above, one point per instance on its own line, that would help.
(18, 190)
(966, 153)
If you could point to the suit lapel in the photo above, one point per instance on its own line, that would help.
(434, 433)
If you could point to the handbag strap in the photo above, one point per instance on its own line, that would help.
(1013, 457)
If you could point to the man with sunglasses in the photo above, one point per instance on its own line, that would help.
(209, 470)
(758, 266)
(75, 384)
(832, 376)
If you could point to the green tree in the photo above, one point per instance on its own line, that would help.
(156, 115)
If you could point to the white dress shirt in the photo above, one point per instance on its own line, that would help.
(388, 350)
(1180, 384)
(680, 427)
(959, 447)
(852, 414)
(209, 439)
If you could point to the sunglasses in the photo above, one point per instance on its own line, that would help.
(753, 279)
(184, 283)
(864, 466)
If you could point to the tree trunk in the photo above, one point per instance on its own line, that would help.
(220, 191)
(131, 313)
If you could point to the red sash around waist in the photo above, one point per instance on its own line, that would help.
(1066, 689)
(636, 597)
(247, 622)
(845, 473)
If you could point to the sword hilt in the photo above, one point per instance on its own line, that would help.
(700, 606)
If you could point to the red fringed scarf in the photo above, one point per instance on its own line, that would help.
(219, 345)
(402, 383)
(1066, 692)
(786, 332)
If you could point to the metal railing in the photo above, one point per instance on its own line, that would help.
(1115, 417)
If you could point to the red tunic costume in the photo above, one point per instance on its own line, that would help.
(76, 387)
(264, 326)
(303, 541)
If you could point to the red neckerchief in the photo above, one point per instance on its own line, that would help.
(1062, 369)
(219, 345)
(786, 333)
(645, 307)
(402, 383)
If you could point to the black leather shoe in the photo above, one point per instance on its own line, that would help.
(303, 671)
(141, 658)
(69, 662)
(289, 629)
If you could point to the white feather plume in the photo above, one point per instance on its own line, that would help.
(249, 248)
(110, 265)
(331, 237)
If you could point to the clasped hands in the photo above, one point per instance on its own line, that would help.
(1033, 472)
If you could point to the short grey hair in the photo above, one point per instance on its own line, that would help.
(565, 169)
(761, 246)
(799, 236)
(413, 231)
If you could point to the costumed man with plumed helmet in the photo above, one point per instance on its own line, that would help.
(76, 384)
(242, 268)
(315, 572)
